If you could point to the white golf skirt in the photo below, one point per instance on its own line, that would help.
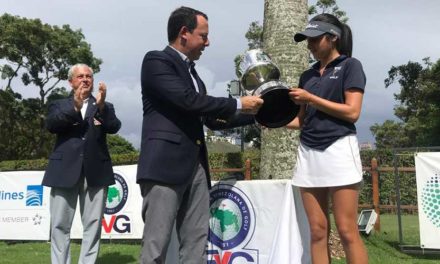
(337, 165)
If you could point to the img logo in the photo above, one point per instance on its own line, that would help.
(34, 195)
(231, 225)
(431, 200)
(117, 196)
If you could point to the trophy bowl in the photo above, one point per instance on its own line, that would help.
(260, 77)
(278, 110)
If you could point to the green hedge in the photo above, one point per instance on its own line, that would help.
(16, 165)
(216, 160)
(235, 160)
(387, 189)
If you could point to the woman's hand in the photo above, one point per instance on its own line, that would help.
(299, 96)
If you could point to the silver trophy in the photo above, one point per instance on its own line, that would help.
(259, 76)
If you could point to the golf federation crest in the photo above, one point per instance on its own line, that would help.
(117, 196)
(232, 218)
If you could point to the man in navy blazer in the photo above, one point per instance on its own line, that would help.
(80, 164)
(173, 168)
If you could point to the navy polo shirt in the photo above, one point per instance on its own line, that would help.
(320, 130)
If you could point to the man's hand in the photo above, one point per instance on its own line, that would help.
(251, 104)
(78, 97)
(100, 97)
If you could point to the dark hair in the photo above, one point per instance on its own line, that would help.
(344, 44)
(182, 17)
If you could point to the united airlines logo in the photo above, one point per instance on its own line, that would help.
(37, 219)
(34, 195)
(431, 200)
(231, 225)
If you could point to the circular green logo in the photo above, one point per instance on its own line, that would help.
(117, 195)
(226, 219)
(431, 200)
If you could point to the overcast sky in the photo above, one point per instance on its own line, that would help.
(386, 33)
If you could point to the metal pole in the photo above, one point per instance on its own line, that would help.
(375, 186)
(397, 178)
(242, 138)
(240, 93)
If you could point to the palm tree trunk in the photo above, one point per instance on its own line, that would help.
(282, 19)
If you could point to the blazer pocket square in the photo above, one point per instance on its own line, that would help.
(96, 122)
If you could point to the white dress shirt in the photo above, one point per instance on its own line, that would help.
(185, 59)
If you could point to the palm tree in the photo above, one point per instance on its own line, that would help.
(282, 19)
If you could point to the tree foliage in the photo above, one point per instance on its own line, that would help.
(41, 54)
(20, 128)
(118, 145)
(254, 35)
(38, 55)
(418, 109)
(17, 126)
(328, 6)
(390, 134)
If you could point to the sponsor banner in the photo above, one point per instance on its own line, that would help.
(245, 222)
(257, 221)
(122, 213)
(428, 197)
(24, 206)
(233, 222)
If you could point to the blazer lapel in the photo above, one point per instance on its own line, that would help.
(91, 108)
(181, 64)
(200, 84)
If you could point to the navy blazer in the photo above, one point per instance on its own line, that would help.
(174, 114)
(80, 144)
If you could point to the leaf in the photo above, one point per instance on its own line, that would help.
(7, 72)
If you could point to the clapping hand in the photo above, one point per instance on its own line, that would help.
(79, 96)
(100, 96)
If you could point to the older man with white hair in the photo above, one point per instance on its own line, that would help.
(80, 164)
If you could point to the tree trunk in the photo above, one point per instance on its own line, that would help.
(282, 19)
(40, 143)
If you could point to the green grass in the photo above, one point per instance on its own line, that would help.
(39, 252)
(382, 247)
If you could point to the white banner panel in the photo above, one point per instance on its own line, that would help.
(259, 221)
(122, 214)
(291, 243)
(24, 206)
(246, 219)
(428, 197)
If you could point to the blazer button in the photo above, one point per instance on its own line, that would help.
(198, 142)
(83, 138)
